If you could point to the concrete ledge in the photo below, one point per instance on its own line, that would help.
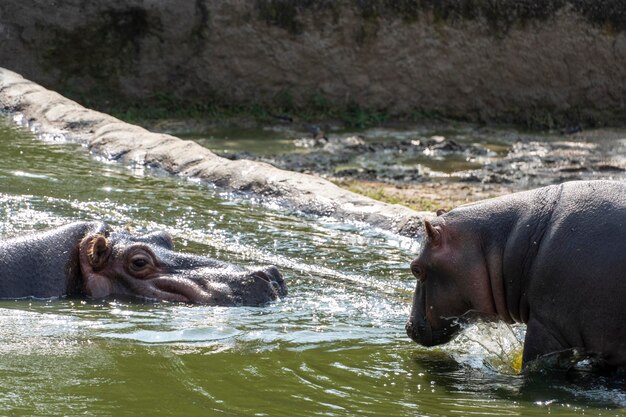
(49, 113)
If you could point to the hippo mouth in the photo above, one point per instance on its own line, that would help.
(419, 328)
(177, 290)
(422, 333)
(256, 288)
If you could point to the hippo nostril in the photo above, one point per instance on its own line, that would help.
(262, 275)
(270, 274)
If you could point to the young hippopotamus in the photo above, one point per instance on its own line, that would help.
(90, 259)
(553, 258)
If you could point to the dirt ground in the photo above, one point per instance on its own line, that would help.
(425, 196)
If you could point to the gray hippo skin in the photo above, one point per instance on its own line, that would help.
(90, 259)
(553, 258)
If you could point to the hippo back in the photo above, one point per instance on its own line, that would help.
(42, 265)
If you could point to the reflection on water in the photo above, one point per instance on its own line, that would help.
(335, 346)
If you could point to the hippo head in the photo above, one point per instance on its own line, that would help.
(451, 275)
(120, 264)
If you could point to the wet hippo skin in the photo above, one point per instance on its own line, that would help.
(553, 258)
(93, 260)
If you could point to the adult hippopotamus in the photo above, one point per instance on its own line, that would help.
(91, 259)
(553, 258)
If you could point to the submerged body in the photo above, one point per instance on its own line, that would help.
(90, 259)
(553, 258)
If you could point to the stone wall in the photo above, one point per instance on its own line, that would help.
(553, 61)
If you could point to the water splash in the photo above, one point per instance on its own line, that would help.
(495, 345)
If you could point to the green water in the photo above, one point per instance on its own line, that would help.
(334, 347)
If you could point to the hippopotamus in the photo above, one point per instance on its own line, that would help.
(90, 259)
(553, 258)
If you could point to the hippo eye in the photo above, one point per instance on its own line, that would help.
(419, 272)
(138, 263)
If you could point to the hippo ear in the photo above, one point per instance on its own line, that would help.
(97, 250)
(441, 211)
(433, 233)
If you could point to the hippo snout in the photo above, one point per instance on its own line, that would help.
(272, 276)
(422, 332)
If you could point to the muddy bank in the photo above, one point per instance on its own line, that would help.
(556, 62)
(472, 155)
(51, 115)
(432, 166)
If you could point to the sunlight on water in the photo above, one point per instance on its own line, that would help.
(335, 346)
